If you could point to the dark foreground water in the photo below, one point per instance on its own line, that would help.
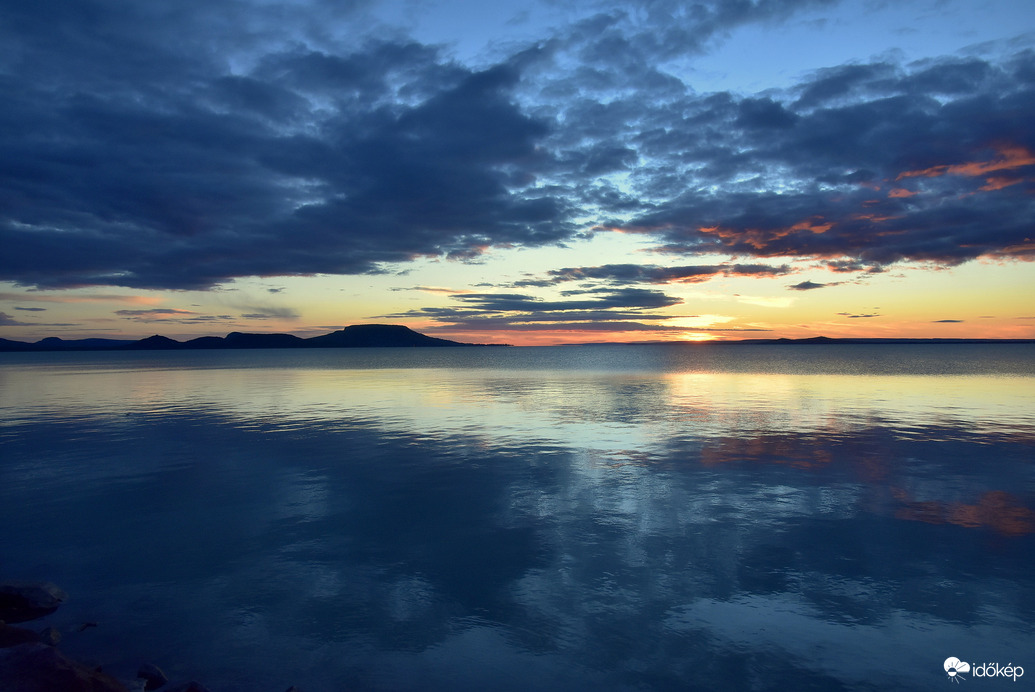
(591, 518)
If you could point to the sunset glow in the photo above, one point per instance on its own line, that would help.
(535, 175)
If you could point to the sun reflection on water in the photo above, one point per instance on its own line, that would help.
(600, 523)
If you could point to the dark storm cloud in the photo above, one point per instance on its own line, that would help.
(181, 145)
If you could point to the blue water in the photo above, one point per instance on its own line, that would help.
(570, 518)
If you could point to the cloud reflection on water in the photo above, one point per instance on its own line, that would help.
(425, 528)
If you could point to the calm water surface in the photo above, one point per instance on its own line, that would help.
(570, 518)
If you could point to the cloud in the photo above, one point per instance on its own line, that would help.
(172, 315)
(500, 324)
(433, 289)
(641, 273)
(612, 309)
(808, 286)
(72, 298)
(831, 182)
(9, 321)
(622, 298)
(31, 309)
(199, 142)
(946, 321)
(310, 160)
(156, 313)
(271, 313)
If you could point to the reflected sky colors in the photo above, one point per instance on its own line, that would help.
(617, 518)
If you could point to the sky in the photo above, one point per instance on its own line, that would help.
(528, 173)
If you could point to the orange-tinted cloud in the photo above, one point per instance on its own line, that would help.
(998, 183)
(36, 297)
(1011, 157)
(762, 238)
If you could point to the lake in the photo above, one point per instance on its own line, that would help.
(657, 517)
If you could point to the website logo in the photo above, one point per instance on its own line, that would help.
(954, 667)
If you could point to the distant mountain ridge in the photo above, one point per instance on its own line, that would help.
(399, 336)
(356, 336)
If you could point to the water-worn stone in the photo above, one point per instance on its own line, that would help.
(13, 636)
(50, 636)
(191, 686)
(41, 668)
(134, 685)
(21, 601)
(152, 675)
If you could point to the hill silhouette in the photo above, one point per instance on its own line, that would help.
(365, 335)
(399, 336)
(356, 336)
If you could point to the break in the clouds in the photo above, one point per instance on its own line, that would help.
(182, 145)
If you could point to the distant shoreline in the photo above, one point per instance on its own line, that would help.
(398, 336)
(810, 341)
(356, 336)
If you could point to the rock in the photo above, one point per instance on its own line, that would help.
(152, 675)
(22, 601)
(50, 636)
(41, 668)
(13, 636)
(191, 686)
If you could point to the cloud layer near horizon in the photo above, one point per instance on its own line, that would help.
(181, 146)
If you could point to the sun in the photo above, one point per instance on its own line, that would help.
(697, 336)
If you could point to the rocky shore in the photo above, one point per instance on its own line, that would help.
(31, 660)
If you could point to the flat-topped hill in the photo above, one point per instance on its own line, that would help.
(356, 336)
